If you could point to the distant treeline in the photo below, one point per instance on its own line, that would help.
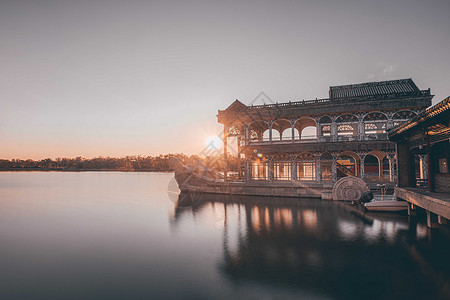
(129, 163)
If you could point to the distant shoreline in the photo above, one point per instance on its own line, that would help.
(81, 170)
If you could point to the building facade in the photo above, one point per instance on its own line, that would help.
(323, 140)
(423, 148)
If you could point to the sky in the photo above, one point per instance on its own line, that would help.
(116, 78)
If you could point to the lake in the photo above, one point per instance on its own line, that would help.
(112, 235)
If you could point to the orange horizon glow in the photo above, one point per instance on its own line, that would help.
(88, 147)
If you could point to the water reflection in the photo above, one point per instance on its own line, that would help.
(120, 236)
(321, 248)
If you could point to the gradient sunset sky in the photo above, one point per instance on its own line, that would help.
(116, 78)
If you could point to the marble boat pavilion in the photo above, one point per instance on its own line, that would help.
(322, 140)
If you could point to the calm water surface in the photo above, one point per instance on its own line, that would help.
(123, 236)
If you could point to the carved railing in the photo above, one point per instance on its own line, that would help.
(288, 140)
(423, 93)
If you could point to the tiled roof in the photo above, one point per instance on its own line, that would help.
(401, 86)
(434, 112)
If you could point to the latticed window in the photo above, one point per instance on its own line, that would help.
(253, 135)
(374, 128)
(259, 171)
(306, 170)
(326, 130)
(234, 131)
(345, 129)
(282, 170)
(402, 116)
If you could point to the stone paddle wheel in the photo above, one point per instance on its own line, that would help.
(349, 188)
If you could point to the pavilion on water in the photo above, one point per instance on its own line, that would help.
(322, 140)
(423, 148)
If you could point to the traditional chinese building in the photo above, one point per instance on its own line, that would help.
(322, 140)
(423, 149)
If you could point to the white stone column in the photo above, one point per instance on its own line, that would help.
(360, 130)
(390, 123)
(293, 130)
(270, 169)
(318, 128)
(391, 168)
(334, 169)
(318, 169)
(334, 135)
(293, 169)
(248, 170)
(246, 129)
(361, 166)
(270, 132)
(225, 152)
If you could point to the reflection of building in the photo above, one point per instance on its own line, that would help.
(324, 139)
(423, 155)
(311, 246)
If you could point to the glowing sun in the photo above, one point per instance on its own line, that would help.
(213, 142)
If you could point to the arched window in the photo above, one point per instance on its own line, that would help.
(266, 135)
(256, 130)
(347, 119)
(326, 162)
(402, 116)
(325, 120)
(371, 167)
(345, 166)
(375, 116)
(287, 134)
(275, 135)
(308, 133)
(280, 127)
(375, 123)
(306, 127)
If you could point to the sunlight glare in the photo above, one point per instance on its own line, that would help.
(213, 142)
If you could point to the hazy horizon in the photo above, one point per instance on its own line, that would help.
(117, 78)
